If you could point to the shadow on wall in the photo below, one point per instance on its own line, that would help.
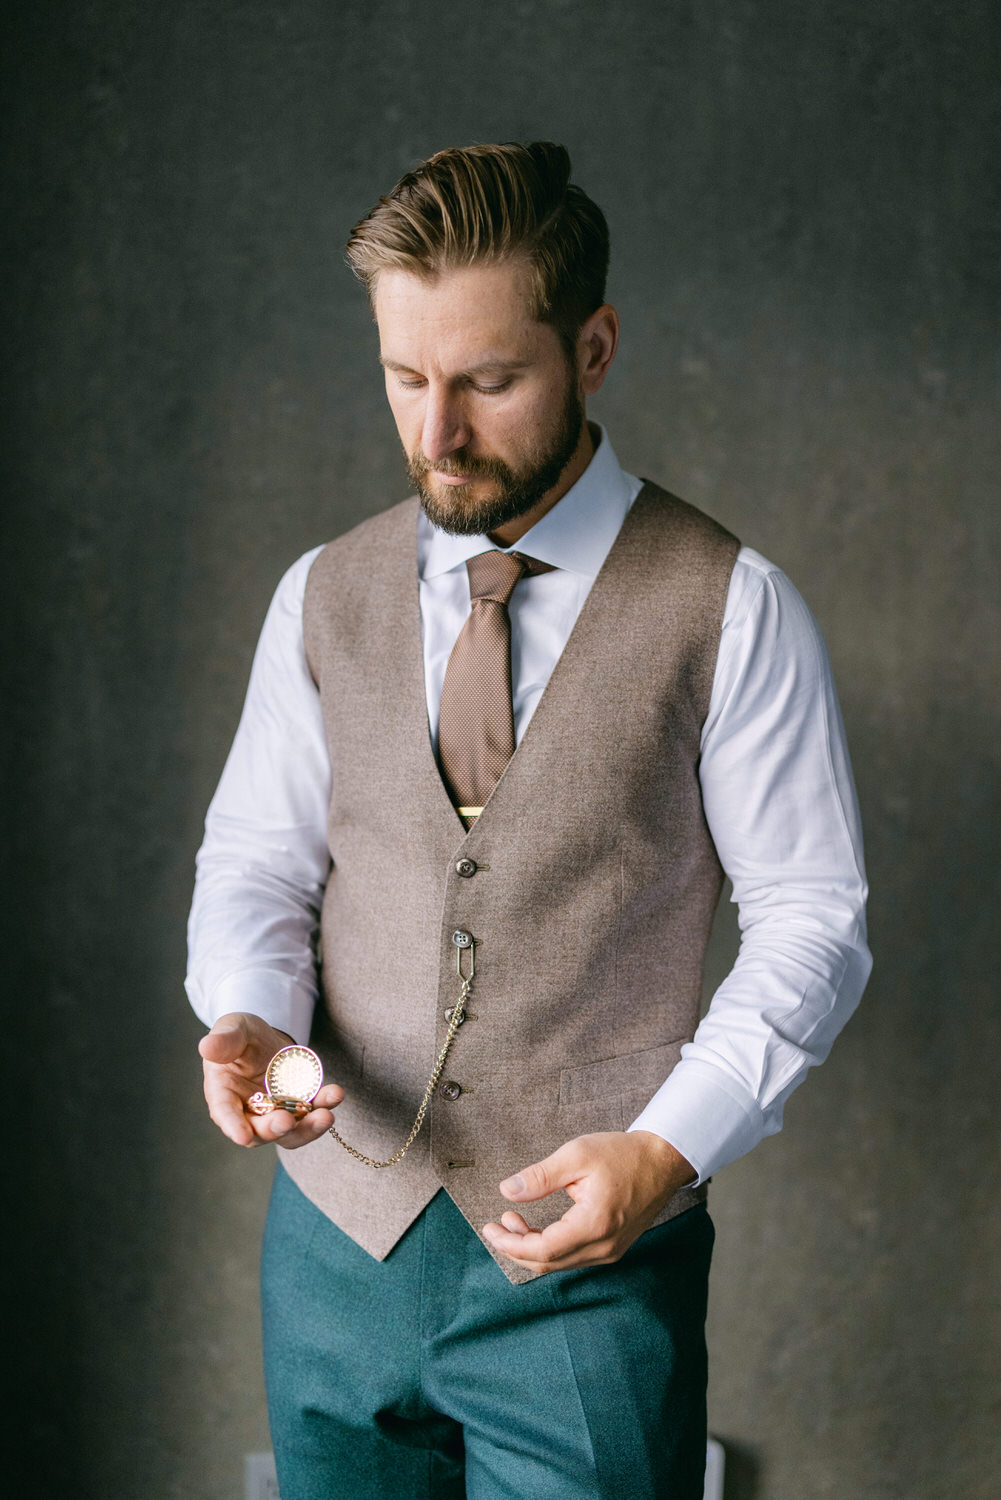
(741, 1475)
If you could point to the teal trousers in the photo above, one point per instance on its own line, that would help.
(430, 1375)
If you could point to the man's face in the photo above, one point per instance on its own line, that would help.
(488, 408)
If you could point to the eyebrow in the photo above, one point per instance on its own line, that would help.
(490, 365)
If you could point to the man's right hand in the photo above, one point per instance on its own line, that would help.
(235, 1054)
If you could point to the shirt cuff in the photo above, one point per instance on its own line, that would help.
(705, 1115)
(277, 999)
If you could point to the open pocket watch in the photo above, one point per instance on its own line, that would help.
(293, 1080)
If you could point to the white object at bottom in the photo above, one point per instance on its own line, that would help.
(715, 1459)
(260, 1480)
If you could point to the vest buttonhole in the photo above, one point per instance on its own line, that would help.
(454, 1164)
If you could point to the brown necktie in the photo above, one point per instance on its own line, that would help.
(476, 724)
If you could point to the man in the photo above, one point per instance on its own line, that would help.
(497, 747)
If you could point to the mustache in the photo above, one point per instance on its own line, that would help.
(459, 465)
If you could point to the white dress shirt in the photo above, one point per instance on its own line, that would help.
(776, 785)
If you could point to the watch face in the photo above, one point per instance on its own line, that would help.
(294, 1073)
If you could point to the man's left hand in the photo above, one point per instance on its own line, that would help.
(619, 1182)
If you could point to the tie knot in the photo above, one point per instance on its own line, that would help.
(493, 575)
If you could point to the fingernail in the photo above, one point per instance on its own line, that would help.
(514, 1185)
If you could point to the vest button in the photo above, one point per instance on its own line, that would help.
(465, 867)
(462, 939)
(450, 1090)
(451, 1012)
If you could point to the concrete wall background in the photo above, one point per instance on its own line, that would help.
(804, 205)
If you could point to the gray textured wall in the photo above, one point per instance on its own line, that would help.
(804, 208)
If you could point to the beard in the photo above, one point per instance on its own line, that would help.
(517, 490)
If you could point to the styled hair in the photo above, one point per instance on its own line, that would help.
(475, 204)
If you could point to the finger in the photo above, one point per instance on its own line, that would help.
(572, 1237)
(279, 1128)
(242, 1039)
(514, 1222)
(225, 1099)
(225, 1042)
(524, 1254)
(292, 1130)
(307, 1129)
(329, 1097)
(227, 1088)
(544, 1177)
(577, 1262)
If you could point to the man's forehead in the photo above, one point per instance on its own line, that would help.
(490, 303)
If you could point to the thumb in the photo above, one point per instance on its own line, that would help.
(238, 1037)
(543, 1177)
(225, 1041)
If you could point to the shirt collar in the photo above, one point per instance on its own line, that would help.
(577, 534)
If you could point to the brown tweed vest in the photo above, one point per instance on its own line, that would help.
(594, 888)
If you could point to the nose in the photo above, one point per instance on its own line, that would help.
(445, 428)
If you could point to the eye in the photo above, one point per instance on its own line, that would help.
(491, 390)
(409, 385)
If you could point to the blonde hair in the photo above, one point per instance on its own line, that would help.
(485, 203)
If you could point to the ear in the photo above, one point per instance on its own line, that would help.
(596, 345)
